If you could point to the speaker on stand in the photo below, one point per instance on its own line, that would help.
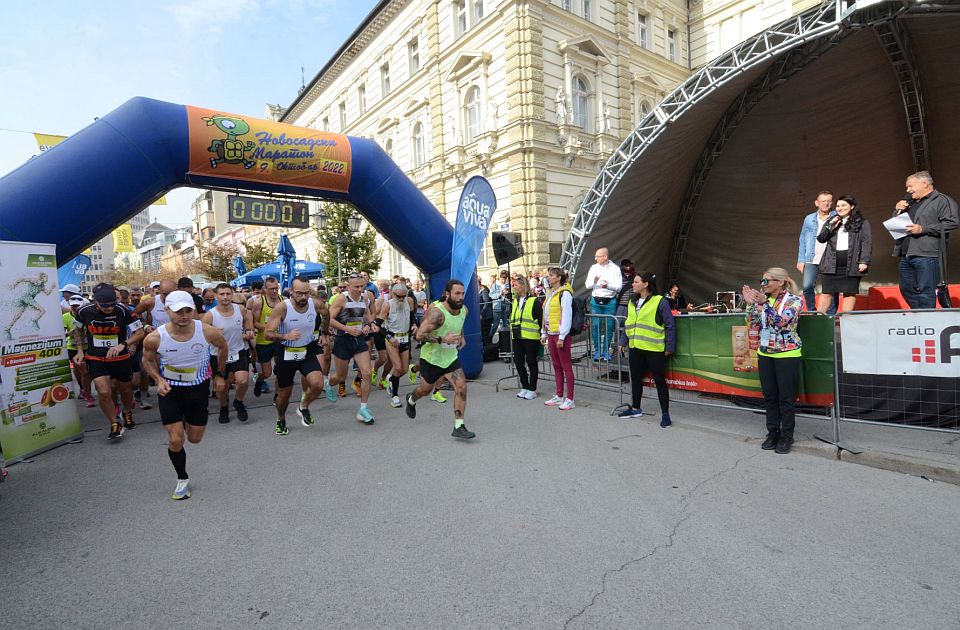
(507, 247)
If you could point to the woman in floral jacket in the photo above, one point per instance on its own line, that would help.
(774, 314)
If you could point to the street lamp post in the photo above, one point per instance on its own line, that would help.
(353, 225)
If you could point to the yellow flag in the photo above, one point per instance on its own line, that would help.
(123, 239)
(161, 201)
(46, 141)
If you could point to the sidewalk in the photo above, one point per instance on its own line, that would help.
(931, 454)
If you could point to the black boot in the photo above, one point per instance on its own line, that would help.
(773, 437)
(784, 444)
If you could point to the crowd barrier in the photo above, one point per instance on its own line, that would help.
(899, 368)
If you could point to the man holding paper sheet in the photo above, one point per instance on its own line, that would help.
(932, 214)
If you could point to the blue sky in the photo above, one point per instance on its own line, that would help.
(63, 63)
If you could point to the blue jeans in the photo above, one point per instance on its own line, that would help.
(602, 332)
(810, 271)
(500, 314)
(919, 276)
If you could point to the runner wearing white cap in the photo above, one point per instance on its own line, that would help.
(67, 291)
(177, 357)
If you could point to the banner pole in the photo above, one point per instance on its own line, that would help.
(835, 408)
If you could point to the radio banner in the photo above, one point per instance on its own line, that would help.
(239, 147)
(902, 343)
(38, 407)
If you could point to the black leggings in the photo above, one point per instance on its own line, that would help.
(525, 358)
(656, 363)
(778, 378)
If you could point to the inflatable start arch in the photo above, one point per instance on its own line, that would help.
(84, 187)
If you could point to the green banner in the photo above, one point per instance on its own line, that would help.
(714, 355)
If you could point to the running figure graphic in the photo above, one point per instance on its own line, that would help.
(22, 298)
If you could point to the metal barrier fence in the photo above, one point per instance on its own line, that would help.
(921, 402)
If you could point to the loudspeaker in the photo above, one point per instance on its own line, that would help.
(507, 246)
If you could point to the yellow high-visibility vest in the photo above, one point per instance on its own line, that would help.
(523, 319)
(643, 331)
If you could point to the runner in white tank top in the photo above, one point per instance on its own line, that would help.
(351, 319)
(292, 323)
(176, 355)
(236, 324)
(395, 319)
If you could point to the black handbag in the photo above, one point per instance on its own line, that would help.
(943, 291)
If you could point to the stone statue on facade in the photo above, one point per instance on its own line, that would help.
(561, 101)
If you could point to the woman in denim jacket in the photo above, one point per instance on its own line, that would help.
(774, 313)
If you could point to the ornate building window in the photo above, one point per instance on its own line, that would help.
(472, 114)
(417, 146)
(580, 102)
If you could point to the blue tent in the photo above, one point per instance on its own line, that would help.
(301, 268)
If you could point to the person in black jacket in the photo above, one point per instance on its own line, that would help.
(486, 312)
(526, 322)
(847, 256)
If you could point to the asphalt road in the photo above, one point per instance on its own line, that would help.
(548, 519)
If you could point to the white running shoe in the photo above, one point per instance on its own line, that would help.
(182, 490)
(522, 393)
(553, 402)
(530, 395)
(395, 402)
(567, 405)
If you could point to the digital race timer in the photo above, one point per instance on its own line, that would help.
(259, 211)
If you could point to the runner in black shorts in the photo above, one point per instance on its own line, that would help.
(107, 330)
(395, 319)
(292, 323)
(236, 324)
(176, 355)
(351, 320)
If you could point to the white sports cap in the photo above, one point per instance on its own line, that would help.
(179, 300)
(70, 288)
(77, 299)
(155, 284)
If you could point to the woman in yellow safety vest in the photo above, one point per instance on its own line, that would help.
(555, 334)
(651, 337)
(526, 319)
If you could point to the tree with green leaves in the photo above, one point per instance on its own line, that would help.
(216, 263)
(358, 252)
(257, 254)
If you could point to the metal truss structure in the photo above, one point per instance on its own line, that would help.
(793, 44)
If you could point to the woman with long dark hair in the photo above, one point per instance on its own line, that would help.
(651, 336)
(774, 313)
(557, 319)
(847, 255)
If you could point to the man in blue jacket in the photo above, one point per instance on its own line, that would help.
(811, 251)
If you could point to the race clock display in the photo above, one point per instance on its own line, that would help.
(259, 211)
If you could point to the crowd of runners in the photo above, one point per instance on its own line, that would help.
(193, 345)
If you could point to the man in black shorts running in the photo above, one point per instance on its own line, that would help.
(292, 323)
(442, 335)
(351, 319)
(177, 357)
(107, 331)
(236, 324)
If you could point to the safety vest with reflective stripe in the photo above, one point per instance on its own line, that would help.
(643, 331)
(524, 320)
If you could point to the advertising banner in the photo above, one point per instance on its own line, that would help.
(123, 239)
(902, 343)
(474, 212)
(74, 271)
(38, 407)
(250, 149)
(46, 141)
(715, 354)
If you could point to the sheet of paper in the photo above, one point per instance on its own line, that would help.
(897, 226)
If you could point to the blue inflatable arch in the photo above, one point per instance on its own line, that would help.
(84, 187)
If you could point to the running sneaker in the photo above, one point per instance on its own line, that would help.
(665, 421)
(145, 404)
(356, 387)
(224, 415)
(306, 419)
(182, 491)
(438, 397)
(412, 376)
(342, 390)
(522, 393)
(596, 356)
(241, 409)
(462, 433)
(281, 428)
(607, 357)
(630, 412)
(257, 388)
(384, 383)
(567, 405)
(116, 431)
(395, 402)
(553, 402)
(410, 408)
(329, 392)
(530, 395)
(128, 422)
(364, 416)
(90, 402)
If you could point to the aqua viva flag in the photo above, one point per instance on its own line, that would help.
(474, 215)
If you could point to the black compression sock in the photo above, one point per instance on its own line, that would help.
(394, 384)
(179, 460)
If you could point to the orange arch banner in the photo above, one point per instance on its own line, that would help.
(251, 149)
